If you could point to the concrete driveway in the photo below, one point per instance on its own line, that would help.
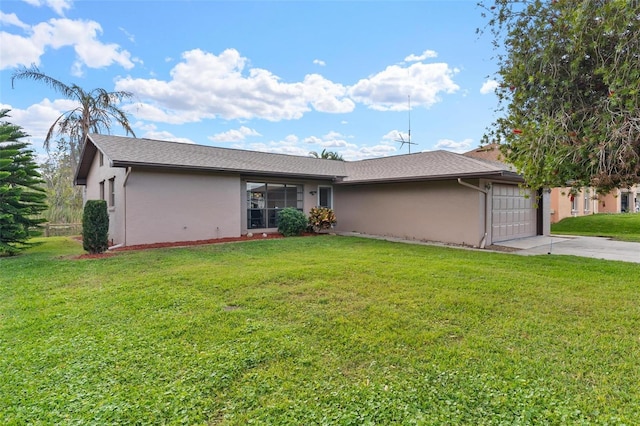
(595, 247)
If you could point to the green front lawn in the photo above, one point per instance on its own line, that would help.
(623, 226)
(317, 330)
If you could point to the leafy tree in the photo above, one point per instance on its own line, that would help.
(327, 155)
(569, 94)
(64, 199)
(21, 195)
(94, 113)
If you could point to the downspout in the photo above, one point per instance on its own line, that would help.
(486, 197)
(124, 188)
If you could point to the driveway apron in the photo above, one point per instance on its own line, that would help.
(594, 247)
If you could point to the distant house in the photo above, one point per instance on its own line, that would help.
(160, 191)
(563, 203)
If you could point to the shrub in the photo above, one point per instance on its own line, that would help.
(95, 226)
(321, 218)
(291, 222)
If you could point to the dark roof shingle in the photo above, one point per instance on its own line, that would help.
(132, 152)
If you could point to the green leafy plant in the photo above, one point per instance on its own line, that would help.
(291, 222)
(568, 93)
(22, 199)
(95, 226)
(321, 218)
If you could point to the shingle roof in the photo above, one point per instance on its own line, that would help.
(131, 152)
(125, 152)
(421, 166)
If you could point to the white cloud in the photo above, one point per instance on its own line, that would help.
(319, 62)
(392, 135)
(145, 111)
(488, 86)
(12, 19)
(38, 118)
(289, 145)
(388, 90)
(204, 85)
(234, 135)
(59, 6)
(129, 36)
(326, 96)
(330, 140)
(425, 55)
(459, 147)
(365, 152)
(58, 33)
(165, 136)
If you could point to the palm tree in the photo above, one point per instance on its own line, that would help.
(95, 112)
(327, 155)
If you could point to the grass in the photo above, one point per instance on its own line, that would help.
(317, 330)
(623, 226)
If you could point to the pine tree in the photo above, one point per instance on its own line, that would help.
(22, 198)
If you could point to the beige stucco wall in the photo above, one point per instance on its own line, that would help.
(437, 211)
(103, 173)
(173, 206)
(612, 202)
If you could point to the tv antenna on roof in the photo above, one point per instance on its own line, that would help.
(408, 141)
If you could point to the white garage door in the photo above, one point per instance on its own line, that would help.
(514, 213)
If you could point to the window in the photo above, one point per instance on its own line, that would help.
(574, 202)
(112, 192)
(101, 159)
(325, 197)
(102, 190)
(265, 199)
(587, 197)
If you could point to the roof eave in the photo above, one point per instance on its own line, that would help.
(501, 175)
(89, 149)
(244, 172)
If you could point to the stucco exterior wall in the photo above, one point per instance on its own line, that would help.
(437, 211)
(609, 203)
(172, 206)
(103, 173)
(561, 205)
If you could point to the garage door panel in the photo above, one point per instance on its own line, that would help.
(514, 214)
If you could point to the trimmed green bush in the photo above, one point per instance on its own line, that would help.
(291, 222)
(95, 227)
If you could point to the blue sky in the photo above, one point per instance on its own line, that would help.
(278, 76)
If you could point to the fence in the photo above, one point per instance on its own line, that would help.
(62, 229)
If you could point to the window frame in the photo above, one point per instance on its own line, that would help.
(268, 201)
(586, 194)
(330, 196)
(112, 192)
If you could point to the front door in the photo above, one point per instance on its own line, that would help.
(325, 197)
